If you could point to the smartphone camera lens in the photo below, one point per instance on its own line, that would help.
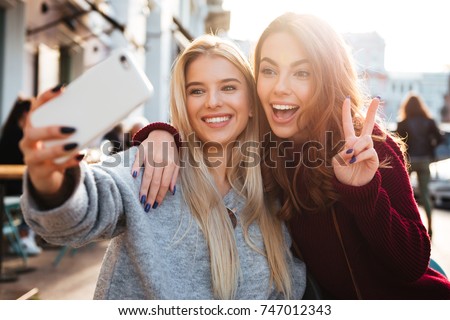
(124, 61)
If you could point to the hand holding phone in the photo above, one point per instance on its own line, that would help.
(96, 101)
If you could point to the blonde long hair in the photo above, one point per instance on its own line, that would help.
(205, 201)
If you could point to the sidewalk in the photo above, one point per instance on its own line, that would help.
(73, 279)
(440, 246)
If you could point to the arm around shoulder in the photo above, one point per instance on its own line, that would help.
(142, 134)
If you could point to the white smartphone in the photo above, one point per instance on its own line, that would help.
(96, 101)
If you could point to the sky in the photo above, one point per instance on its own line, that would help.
(416, 33)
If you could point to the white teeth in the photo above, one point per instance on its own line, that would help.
(217, 119)
(283, 107)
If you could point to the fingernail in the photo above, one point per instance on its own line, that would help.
(143, 198)
(378, 97)
(155, 205)
(67, 130)
(134, 174)
(58, 87)
(80, 157)
(348, 97)
(70, 146)
(174, 190)
(147, 207)
(352, 160)
(349, 151)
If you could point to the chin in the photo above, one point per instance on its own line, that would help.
(280, 133)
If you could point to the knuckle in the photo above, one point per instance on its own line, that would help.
(148, 173)
(164, 185)
(144, 188)
(156, 184)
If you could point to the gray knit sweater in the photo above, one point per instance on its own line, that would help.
(161, 254)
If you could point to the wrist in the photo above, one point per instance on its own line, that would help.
(142, 134)
(49, 197)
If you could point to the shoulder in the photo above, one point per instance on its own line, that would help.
(124, 159)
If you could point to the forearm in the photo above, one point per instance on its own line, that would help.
(50, 201)
(91, 211)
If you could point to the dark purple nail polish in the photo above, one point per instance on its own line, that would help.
(147, 207)
(134, 174)
(352, 160)
(70, 146)
(155, 205)
(143, 198)
(58, 87)
(378, 97)
(79, 157)
(174, 190)
(349, 151)
(67, 130)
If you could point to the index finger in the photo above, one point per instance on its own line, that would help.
(347, 121)
(369, 122)
(46, 96)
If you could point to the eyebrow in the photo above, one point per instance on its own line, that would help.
(197, 83)
(293, 64)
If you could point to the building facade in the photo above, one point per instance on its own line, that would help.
(368, 50)
(47, 42)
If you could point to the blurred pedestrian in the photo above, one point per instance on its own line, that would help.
(421, 134)
(11, 134)
(9, 141)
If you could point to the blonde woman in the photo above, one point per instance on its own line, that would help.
(215, 238)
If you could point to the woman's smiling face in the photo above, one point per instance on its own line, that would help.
(217, 99)
(284, 83)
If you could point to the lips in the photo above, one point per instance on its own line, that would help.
(284, 112)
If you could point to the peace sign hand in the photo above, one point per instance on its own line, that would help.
(357, 163)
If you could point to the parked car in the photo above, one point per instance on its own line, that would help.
(439, 185)
(440, 173)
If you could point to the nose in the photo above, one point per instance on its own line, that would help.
(213, 100)
(282, 86)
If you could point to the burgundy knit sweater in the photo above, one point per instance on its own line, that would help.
(387, 246)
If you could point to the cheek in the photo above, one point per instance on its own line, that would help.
(260, 89)
(191, 111)
(303, 91)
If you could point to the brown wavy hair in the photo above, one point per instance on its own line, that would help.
(334, 78)
(413, 106)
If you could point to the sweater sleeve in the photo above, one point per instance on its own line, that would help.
(142, 134)
(436, 133)
(96, 208)
(388, 217)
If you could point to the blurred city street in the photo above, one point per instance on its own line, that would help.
(440, 250)
(76, 275)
